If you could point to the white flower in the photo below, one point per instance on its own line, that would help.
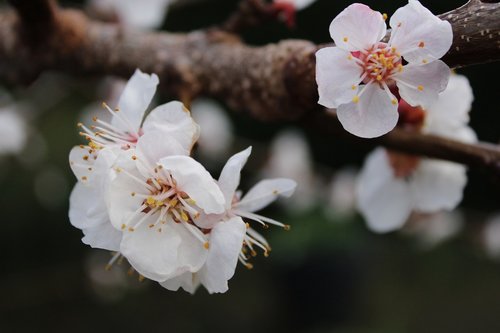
(392, 185)
(216, 134)
(230, 238)
(143, 14)
(108, 140)
(491, 236)
(155, 200)
(358, 76)
(13, 131)
(290, 157)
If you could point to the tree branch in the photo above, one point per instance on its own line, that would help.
(272, 82)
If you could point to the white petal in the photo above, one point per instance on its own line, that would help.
(152, 253)
(229, 178)
(226, 240)
(121, 197)
(173, 120)
(13, 131)
(265, 192)
(153, 146)
(103, 236)
(374, 115)
(453, 104)
(384, 201)
(187, 281)
(336, 74)
(437, 185)
(357, 28)
(193, 179)
(418, 35)
(87, 207)
(134, 101)
(192, 254)
(421, 84)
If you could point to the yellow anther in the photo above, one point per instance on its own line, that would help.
(94, 118)
(420, 88)
(150, 201)
(355, 99)
(206, 245)
(141, 278)
(123, 226)
(131, 229)
(84, 178)
(266, 254)
(173, 202)
(353, 87)
(349, 57)
(191, 201)
(107, 267)
(393, 49)
(421, 44)
(394, 101)
(248, 265)
(132, 194)
(424, 61)
(79, 125)
(247, 225)
(287, 227)
(85, 157)
(253, 253)
(134, 157)
(400, 68)
(384, 16)
(345, 39)
(150, 226)
(184, 216)
(379, 77)
(118, 169)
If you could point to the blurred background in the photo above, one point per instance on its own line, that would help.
(329, 273)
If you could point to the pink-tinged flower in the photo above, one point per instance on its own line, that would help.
(392, 185)
(288, 8)
(230, 238)
(359, 76)
(92, 164)
(155, 200)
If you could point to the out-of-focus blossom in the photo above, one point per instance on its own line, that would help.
(296, 4)
(433, 229)
(491, 236)
(216, 130)
(13, 131)
(392, 184)
(290, 157)
(342, 193)
(229, 231)
(143, 14)
(360, 75)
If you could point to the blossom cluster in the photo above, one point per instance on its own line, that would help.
(140, 194)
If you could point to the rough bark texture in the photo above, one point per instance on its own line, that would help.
(272, 82)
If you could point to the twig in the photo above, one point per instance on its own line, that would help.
(272, 82)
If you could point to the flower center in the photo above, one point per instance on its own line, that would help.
(380, 63)
(164, 202)
(103, 134)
